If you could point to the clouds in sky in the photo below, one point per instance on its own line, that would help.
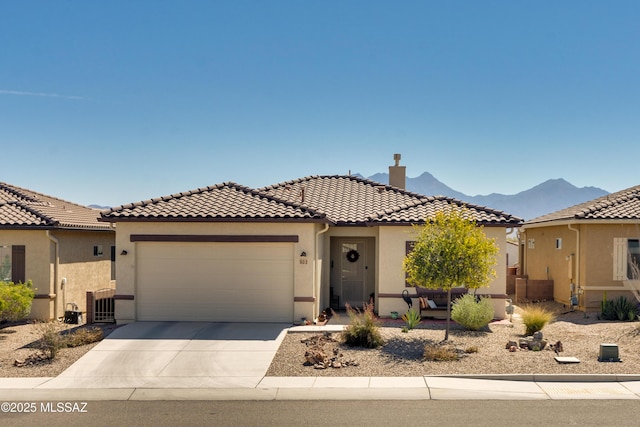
(42, 94)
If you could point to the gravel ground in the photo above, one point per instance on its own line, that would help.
(402, 354)
(20, 342)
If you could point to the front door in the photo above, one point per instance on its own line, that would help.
(349, 275)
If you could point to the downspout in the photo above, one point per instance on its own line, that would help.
(577, 230)
(316, 264)
(56, 266)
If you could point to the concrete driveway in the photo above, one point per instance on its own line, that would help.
(177, 355)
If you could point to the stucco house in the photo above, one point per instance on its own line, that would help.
(586, 249)
(279, 253)
(59, 245)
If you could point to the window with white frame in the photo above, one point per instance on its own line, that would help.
(559, 243)
(626, 258)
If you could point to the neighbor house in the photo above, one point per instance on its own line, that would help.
(586, 250)
(59, 246)
(277, 254)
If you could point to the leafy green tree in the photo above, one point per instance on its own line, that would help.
(451, 251)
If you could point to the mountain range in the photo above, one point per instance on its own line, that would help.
(550, 196)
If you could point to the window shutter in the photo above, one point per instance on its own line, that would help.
(619, 258)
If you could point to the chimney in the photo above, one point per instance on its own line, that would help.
(397, 175)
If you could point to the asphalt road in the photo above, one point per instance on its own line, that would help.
(329, 413)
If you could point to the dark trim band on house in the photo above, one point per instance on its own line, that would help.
(213, 238)
(427, 290)
(124, 297)
(304, 299)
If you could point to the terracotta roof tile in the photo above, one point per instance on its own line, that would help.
(226, 201)
(428, 207)
(355, 200)
(20, 207)
(337, 199)
(622, 205)
(344, 199)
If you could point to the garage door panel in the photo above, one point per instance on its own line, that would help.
(215, 281)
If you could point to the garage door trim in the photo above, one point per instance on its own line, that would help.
(226, 238)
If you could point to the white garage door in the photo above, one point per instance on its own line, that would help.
(220, 282)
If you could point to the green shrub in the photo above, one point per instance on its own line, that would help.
(619, 309)
(471, 313)
(411, 318)
(535, 318)
(363, 329)
(15, 300)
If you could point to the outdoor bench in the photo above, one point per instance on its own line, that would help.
(433, 303)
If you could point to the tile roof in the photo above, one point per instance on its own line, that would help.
(223, 202)
(344, 199)
(429, 206)
(623, 205)
(336, 199)
(23, 208)
(352, 200)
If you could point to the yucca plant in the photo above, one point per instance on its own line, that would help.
(412, 318)
(535, 318)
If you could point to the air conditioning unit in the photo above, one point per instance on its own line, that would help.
(609, 353)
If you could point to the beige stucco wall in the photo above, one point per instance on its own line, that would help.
(76, 263)
(38, 267)
(545, 262)
(391, 252)
(590, 265)
(82, 270)
(303, 272)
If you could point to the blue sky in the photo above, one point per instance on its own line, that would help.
(120, 101)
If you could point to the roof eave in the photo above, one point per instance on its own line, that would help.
(203, 219)
(571, 221)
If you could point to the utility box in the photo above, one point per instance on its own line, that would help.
(609, 353)
(72, 314)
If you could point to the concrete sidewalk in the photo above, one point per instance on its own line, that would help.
(346, 388)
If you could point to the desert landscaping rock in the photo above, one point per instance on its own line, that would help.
(579, 335)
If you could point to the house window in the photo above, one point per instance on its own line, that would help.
(531, 243)
(5, 263)
(559, 243)
(633, 259)
(409, 245)
(97, 250)
(626, 259)
(113, 263)
(12, 264)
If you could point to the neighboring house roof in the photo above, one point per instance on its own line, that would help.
(334, 199)
(621, 206)
(223, 202)
(23, 208)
